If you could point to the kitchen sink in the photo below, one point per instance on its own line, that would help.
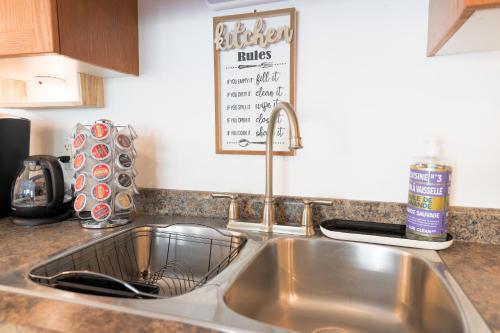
(143, 262)
(321, 286)
(181, 269)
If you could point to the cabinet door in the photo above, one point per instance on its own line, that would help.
(100, 32)
(28, 27)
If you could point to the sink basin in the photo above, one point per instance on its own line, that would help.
(143, 262)
(322, 286)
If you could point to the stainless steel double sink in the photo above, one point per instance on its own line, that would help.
(281, 284)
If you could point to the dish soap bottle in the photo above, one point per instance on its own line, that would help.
(428, 197)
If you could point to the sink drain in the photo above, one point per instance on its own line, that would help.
(330, 329)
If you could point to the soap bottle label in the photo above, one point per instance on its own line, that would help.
(428, 199)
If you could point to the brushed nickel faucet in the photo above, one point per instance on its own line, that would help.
(268, 221)
(268, 213)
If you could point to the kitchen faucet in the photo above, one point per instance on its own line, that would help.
(268, 222)
(268, 213)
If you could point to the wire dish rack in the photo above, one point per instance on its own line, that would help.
(144, 262)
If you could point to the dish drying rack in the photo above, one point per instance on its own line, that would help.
(144, 262)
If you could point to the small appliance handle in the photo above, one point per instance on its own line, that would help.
(57, 178)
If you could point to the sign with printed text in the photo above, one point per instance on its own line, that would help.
(254, 56)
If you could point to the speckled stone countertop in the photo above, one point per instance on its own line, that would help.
(476, 267)
(27, 314)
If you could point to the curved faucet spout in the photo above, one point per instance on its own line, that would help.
(268, 214)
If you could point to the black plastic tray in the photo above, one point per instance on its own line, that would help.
(368, 228)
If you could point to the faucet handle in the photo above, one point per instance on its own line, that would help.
(307, 213)
(225, 195)
(232, 214)
(317, 202)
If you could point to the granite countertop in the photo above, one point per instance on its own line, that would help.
(27, 314)
(476, 267)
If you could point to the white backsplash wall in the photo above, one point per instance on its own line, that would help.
(367, 98)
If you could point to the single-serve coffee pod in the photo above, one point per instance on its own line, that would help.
(80, 182)
(101, 212)
(79, 141)
(124, 161)
(79, 161)
(80, 202)
(100, 151)
(100, 131)
(124, 180)
(123, 200)
(101, 171)
(123, 141)
(101, 192)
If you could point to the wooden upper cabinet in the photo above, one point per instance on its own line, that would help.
(28, 27)
(98, 32)
(462, 26)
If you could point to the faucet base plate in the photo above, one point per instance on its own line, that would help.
(276, 228)
(255, 226)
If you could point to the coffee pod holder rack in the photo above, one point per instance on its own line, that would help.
(103, 159)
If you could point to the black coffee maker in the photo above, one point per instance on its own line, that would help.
(14, 148)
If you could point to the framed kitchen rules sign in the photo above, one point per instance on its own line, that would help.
(254, 57)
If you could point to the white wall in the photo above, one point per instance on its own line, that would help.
(367, 97)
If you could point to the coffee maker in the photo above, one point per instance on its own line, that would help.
(14, 148)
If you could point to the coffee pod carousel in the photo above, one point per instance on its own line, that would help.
(104, 174)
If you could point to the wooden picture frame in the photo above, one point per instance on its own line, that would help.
(291, 12)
